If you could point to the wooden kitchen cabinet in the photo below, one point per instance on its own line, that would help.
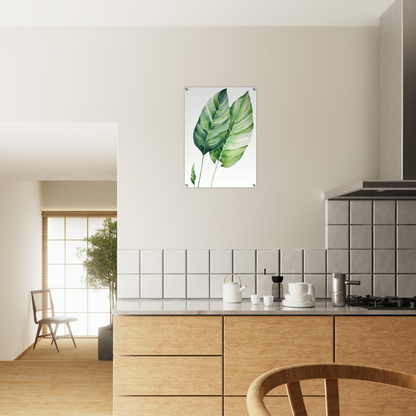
(256, 344)
(379, 341)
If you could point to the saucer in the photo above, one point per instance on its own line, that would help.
(306, 304)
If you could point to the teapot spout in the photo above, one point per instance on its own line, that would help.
(244, 287)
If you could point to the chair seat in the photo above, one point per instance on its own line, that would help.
(58, 320)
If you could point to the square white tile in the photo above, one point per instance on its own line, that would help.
(337, 261)
(384, 261)
(128, 261)
(244, 261)
(269, 260)
(221, 261)
(361, 237)
(216, 283)
(406, 212)
(365, 287)
(128, 286)
(151, 261)
(197, 286)
(384, 212)
(406, 236)
(250, 281)
(406, 285)
(174, 261)
(384, 236)
(361, 212)
(175, 286)
(151, 286)
(384, 285)
(361, 261)
(291, 261)
(406, 261)
(319, 280)
(197, 261)
(337, 236)
(314, 261)
(264, 284)
(337, 212)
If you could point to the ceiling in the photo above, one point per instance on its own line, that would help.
(192, 12)
(58, 151)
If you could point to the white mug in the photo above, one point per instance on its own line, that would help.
(255, 299)
(268, 300)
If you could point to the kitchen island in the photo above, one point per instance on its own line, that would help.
(198, 357)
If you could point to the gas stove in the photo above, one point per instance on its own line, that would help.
(388, 302)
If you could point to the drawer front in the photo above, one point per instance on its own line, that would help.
(167, 376)
(172, 406)
(254, 345)
(167, 335)
(236, 406)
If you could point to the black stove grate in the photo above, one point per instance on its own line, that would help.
(376, 302)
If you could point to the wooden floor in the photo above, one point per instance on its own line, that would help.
(70, 383)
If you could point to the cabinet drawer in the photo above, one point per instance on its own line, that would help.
(167, 335)
(172, 406)
(236, 406)
(164, 376)
(254, 345)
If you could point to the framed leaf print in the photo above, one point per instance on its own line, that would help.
(220, 137)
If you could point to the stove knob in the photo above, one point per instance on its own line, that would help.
(412, 305)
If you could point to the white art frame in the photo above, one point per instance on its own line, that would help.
(223, 119)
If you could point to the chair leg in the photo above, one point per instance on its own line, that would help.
(69, 329)
(53, 337)
(37, 335)
(56, 330)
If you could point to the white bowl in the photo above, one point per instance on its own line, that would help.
(298, 288)
(303, 298)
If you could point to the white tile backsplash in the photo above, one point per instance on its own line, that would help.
(314, 261)
(128, 261)
(250, 281)
(198, 286)
(151, 286)
(151, 261)
(174, 261)
(216, 284)
(291, 261)
(198, 261)
(244, 261)
(264, 284)
(221, 261)
(175, 286)
(319, 281)
(128, 286)
(269, 260)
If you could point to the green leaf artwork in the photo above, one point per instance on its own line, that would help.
(238, 136)
(222, 131)
(193, 175)
(212, 125)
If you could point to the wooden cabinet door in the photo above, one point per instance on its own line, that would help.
(167, 335)
(378, 341)
(254, 345)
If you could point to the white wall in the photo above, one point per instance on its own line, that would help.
(317, 125)
(79, 196)
(20, 263)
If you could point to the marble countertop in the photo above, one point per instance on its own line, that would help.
(217, 307)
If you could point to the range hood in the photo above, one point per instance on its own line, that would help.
(397, 145)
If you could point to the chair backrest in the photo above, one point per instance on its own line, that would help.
(41, 302)
(291, 376)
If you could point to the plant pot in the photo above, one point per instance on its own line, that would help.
(105, 343)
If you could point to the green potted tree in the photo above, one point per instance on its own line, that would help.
(100, 265)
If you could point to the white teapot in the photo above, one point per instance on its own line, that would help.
(231, 291)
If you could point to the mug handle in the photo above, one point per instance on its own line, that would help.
(233, 274)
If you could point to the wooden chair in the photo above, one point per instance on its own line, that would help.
(291, 376)
(42, 301)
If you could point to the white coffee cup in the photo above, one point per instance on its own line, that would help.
(298, 288)
(268, 300)
(255, 299)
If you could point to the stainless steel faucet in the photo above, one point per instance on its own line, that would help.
(339, 285)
